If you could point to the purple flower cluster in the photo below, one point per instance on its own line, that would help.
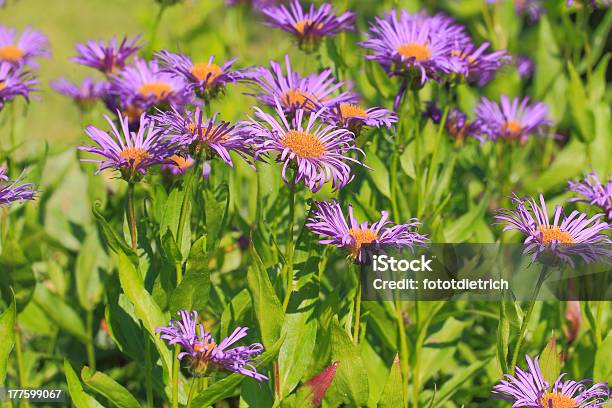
(318, 153)
(310, 26)
(457, 123)
(564, 238)
(207, 79)
(594, 192)
(130, 152)
(197, 136)
(106, 57)
(203, 353)
(421, 47)
(84, 94)
(12, 191)
(296, 92)
(18, 53)
(528, 388)
(329, 221)
(512, 120)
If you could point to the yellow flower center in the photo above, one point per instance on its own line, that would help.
(419, 52)
(349, 110)
(11, 53)
(296, 97)
(205, 349)
(555, 400)
(181, 162)
(361, 236)
(301, 25)
(513, 127)
(158, 89)
(205, 70)
(551, 233)
(135, 155)
(305, 145)
(2, 85)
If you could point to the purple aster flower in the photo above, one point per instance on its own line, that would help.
(329, 221)
(457, 123)
(144, 85)
(14, 82)
(106, 57)
(309, 27)
(22, 51)
(177, 164)
(84, 94)
(353, 117)
(296, 92)
(318, 153)
(513, 120)
(207, 79)
(528, 388)
(411, 45)
(566, 236)
(11, 191)
(475, 65)
(594, 192)
(531, 8)
(525, 66)
(193, 133)
(132, 153)
(202, 352)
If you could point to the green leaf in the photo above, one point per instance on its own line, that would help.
(170, 247)
(393, 393)
(379, 173)
(351, 376)
(227, 386)
(7, 334)
(300, 327)
(89, 289)
(60, 313)
(503, 336)
(193, 291)
(215, 207)
(461, 229)
(268, 309)
(235, 310)
(550, 361)
(113, 241)
(603, 369)
(171, 216)
(104, 385)
(457, 380)
(145, 307)
(17, 279)
(78, 396)
(579, 109)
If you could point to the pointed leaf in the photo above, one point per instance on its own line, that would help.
(104, 385)
(7, 334)
(78, 396)
(393, 393)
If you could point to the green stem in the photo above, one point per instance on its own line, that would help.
(175, 377)
(403, 348)
(20, 366)
(190, 396)
(357, 305)
(183, 215)
(290, 247)
(91, 356)
(131, 214)
(434, 155)
(525, 322)
(148, 378)
(154, 28)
